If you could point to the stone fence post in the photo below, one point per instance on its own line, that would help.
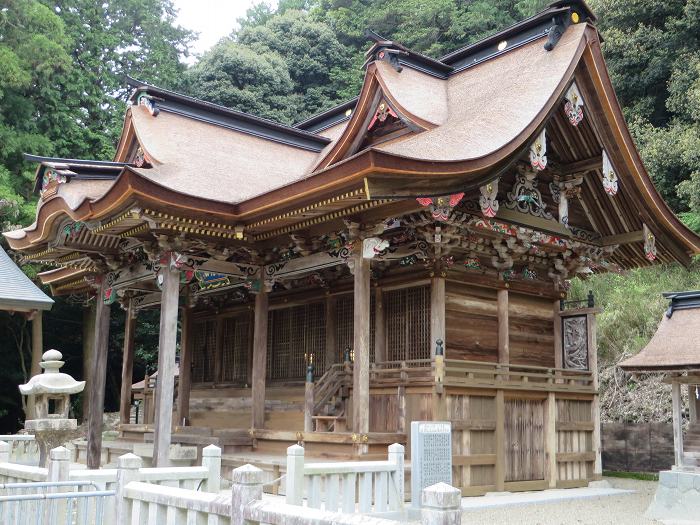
(441, 505)
(128, 467)
(4, 452)
(247, 487)
(396, 457)
(211, 460)
(58, 469)
(295, 475)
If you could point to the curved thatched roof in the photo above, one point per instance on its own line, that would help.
(17, 291)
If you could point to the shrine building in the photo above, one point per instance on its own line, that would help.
(403, 256)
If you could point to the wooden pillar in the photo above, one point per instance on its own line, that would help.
(37, 351)
(500, 470)
(88, 345)
(259, 357)
(98, 375)
(379, 327)
(185, 379)
(550, 440)
(503, 329)
(360, 391)
(167, 346)
(127, 364)
(692, 404)
(677, 421)
(437, 312)
(593, 367)
(331, 350)
(558, 351)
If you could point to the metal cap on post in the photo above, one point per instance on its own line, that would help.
(439, 350)
(346, 354)
(591, 299)
(310, 373)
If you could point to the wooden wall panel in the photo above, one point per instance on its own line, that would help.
(574, 446)
(471, 324)
(383, 413)
(524, 440)
(531, 330)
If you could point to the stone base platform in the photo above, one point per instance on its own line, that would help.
(677, 497)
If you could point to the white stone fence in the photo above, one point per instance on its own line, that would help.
(23, 448)
(365, 486)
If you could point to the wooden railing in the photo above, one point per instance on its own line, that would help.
(413, 372)
(516, 377)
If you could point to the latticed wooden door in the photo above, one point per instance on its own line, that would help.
(524, 439)
(407, 314)
(204, 351)
(344, 326)
(235, 344)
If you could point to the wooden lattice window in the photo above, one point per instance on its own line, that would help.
(344, 326)
(235, 349)
(407, 314)
(204, 351)
(296, 335)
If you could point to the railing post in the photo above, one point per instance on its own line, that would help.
(441, 505)
(211, 460)
(396, 458)
(128, 471)
(247, 487)
(295, 475)
(58, 470)
(4, 452)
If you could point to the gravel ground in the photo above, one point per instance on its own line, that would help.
(624, 509)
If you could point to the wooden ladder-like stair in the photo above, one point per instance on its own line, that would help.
(330, 399)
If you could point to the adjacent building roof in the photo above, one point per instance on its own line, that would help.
(17, 291)
(676, 343)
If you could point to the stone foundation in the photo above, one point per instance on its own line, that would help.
(677, 496)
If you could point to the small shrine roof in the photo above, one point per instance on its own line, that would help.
(17, 291)
(675, 345)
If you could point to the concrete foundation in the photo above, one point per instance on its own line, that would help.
(677, 497)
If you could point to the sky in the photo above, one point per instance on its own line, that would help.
(212, 19)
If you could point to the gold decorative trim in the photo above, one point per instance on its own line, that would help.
(70, 284)
(322, 218)
(349, 195)
(69, 257)
(120, 218)
(133, 231)
(39, 255)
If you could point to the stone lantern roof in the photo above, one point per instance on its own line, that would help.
(52, 381)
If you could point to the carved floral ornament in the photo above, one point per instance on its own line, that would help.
(526, 196)
(609, 176)
(574, 105)
(488, 201)
(441, 207)
(538, 151)
(383, 112)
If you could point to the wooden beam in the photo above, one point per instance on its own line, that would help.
(167, 345)
(185, 378)
(259, 357)
(582, 166)
(98, 375)
(360, 391)
(37, 351)
(622, 238)
(677, 404)
(379, 326)
(437, 312)
(503, 328)
(127, 364)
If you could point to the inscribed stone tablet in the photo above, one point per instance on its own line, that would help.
(431, 456)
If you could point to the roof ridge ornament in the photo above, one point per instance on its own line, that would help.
(574, 105)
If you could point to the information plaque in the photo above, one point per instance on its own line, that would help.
(431, 456)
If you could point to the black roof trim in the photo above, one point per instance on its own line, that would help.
(518, 34)
(78, 169)
(682, 301)
(73, 162)
(215, 114)
(327, 118)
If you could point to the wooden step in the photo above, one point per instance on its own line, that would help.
(324, 423)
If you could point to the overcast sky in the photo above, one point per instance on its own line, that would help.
(212, 19)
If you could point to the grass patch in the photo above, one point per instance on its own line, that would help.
(643, 476)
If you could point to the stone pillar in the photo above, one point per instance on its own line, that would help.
(360, 391)
(246, 488)
(441, 505)
(259, 357)
(128, 471)
(127, 364)
(165, 384)
(98, 378)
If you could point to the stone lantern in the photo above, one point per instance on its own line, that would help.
(51, 393)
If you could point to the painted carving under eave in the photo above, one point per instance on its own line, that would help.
(526, 197)
(609, 176)
(649, 243)
(373, 246)
(538, 151)
(441, 207)
(489, 199)
(383, 112)
(574, 105)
